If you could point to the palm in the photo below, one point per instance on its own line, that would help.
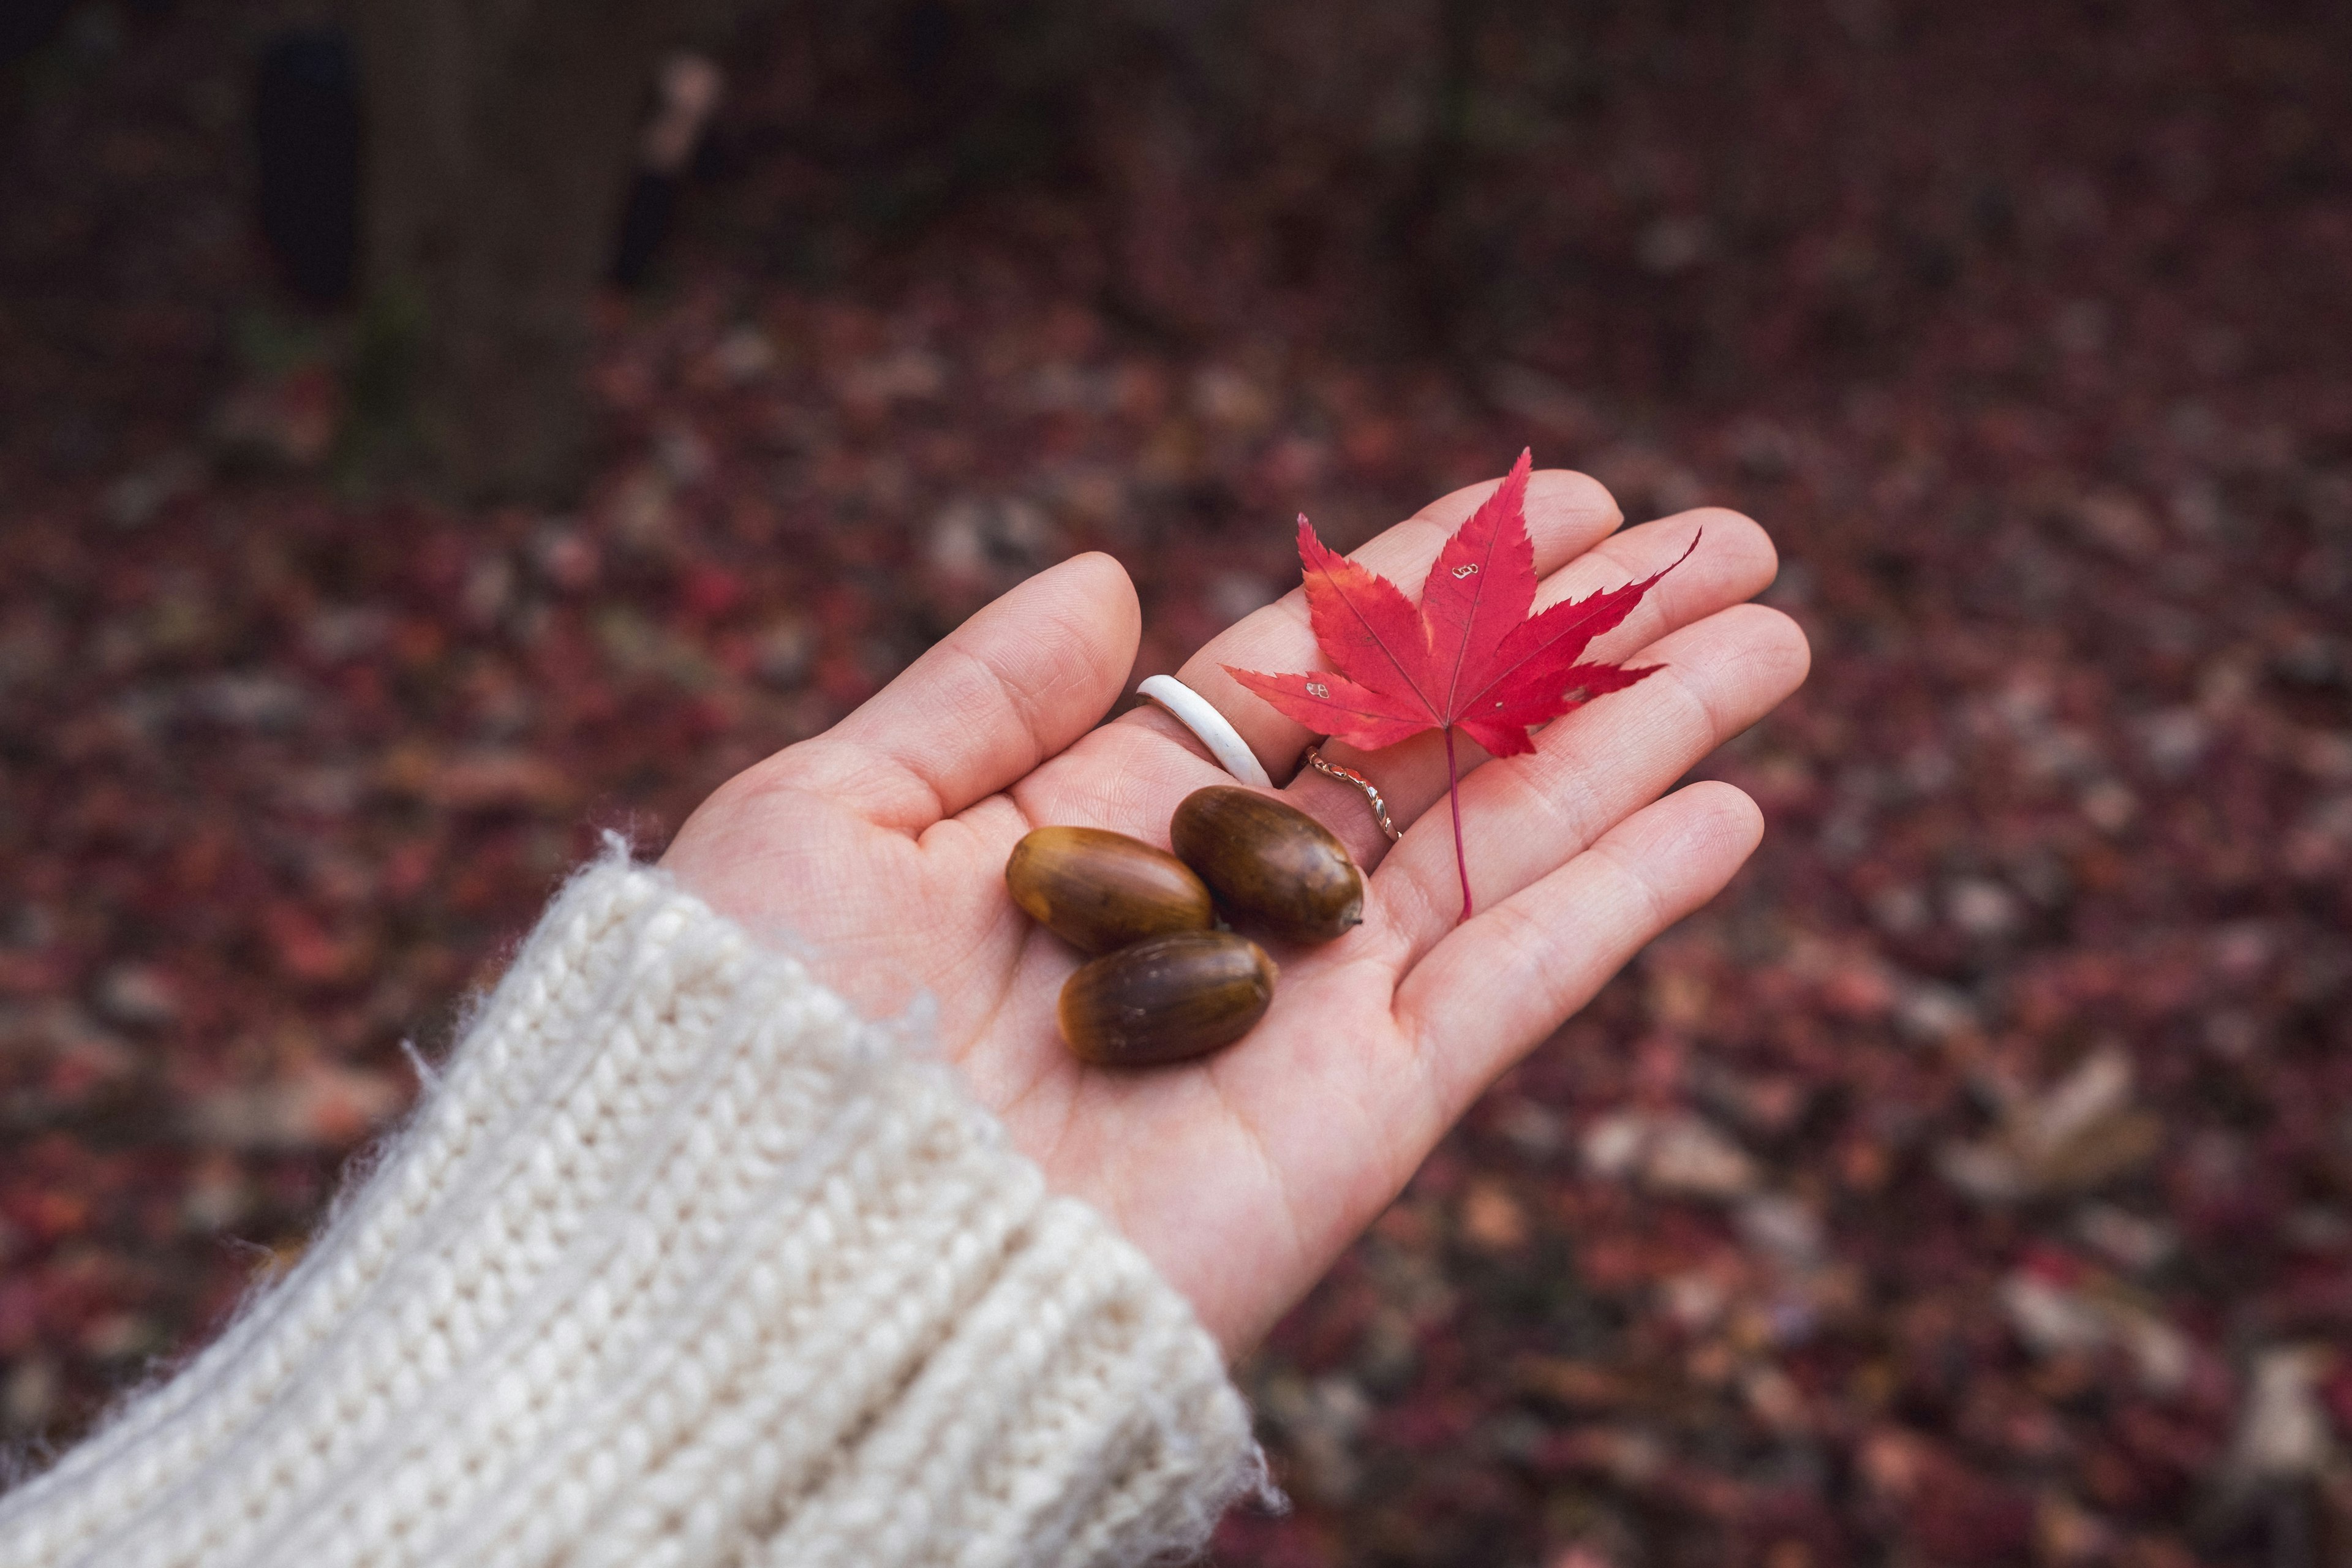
(877, 851)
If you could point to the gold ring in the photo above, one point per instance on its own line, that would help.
(1349, 776)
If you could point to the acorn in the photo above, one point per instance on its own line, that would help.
(1272, 867)
(1098, 890)
(1166, 1000)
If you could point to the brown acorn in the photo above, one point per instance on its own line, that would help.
(1098, 890)
(1272, 867)
(1166, 1000)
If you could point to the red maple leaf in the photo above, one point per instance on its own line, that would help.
(1470, 657)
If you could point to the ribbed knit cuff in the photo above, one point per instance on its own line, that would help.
(680, 1264)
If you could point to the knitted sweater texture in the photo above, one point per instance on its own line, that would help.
(678, 1264)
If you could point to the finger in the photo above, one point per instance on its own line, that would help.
(1522, 816)
(1505, 980)
(1566, 515)
(1011, 687)
(1735, 560)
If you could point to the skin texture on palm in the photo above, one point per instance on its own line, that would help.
(877, 852)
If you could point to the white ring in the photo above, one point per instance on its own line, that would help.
(1195, 712)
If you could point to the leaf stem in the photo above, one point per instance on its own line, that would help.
(1453, 795)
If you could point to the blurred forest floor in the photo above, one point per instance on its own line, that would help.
(1972, 1182)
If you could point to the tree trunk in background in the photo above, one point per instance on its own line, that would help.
(498, 151)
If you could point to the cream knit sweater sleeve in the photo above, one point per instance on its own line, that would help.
(678, 1264)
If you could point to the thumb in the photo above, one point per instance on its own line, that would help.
(1011, 687)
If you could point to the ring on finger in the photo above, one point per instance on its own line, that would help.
(1329, 769)
(1217, 732)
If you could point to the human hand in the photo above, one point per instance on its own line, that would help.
(880, 845)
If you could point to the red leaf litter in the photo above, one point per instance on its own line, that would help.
(1470, 657)
(1970, 1182)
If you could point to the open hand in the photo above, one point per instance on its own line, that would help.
(877, 851)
